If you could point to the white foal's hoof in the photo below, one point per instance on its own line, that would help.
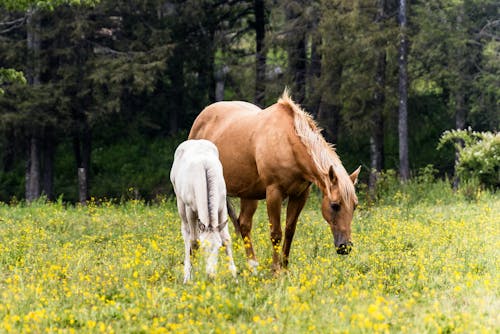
(252, 264)
(187, 278)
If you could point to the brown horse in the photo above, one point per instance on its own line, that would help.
(274, 154)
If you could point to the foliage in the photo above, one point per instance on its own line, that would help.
(128, 169)
(144, 70)
(42, 4)
(456, 51)
(138, 166)
(355, 36)
(9, 75)
(12, 184)
(118, 269)
(479, 155)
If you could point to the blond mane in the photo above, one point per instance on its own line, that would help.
(322, 153)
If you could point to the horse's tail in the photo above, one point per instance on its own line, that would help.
(232, 215)
(203, 194)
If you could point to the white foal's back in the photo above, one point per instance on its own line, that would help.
(198, 180)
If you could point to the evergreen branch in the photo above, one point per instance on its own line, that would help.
(15, 21)
(14, 24)
(229, 3)
(100, 49)
(238, 34)
(484, 32)
(386, 16)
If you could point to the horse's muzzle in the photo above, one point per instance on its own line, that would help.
(344, 249)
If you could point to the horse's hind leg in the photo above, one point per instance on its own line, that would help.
(186, 234)
(248, 208)
(295, 206)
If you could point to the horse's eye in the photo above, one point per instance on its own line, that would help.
(335, 207)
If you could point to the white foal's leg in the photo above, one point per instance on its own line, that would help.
(190, 233)
(186, 234)
(226, 242)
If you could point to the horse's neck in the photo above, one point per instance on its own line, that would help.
(316, 176)
(321, 183)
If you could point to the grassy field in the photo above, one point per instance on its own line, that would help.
(419, 268)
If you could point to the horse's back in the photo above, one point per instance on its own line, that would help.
(220, 117)
(190, 154)
(253, 144)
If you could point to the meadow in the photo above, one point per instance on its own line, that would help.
(422, 266)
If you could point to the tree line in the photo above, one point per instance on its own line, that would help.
(384, 78)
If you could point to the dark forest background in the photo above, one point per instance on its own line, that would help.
(113, 86)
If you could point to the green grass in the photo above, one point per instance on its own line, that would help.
(419, 268)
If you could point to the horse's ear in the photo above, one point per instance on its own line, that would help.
(354, 175)
(202, 227)
(331, 174)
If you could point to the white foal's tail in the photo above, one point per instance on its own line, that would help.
(207, 198)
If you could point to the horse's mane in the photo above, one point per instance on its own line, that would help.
(322, 153)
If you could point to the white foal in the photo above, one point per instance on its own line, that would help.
(200, 189)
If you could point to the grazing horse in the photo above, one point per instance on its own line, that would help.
(199, 186)
(274, 154)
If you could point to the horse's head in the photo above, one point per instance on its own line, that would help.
(210, 241)
(338, 208)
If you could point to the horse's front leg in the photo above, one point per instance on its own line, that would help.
(295, 206)
(248, 208)
(274, 198)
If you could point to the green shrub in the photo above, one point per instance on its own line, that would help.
(131, 170)
(479, 155)
(12, 184)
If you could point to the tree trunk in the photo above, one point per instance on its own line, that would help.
(220, 78)
(211, 74)
(298, 67)
(377, 124)
(404, 164)
(460, 115)
(314, 74)
(82, 185)
(460, 88)
(260, 56)
(82, 150)
(329, 107)
(206, 64)
(33, 163)
(33, 170)
(329, 117)
(297, 58)
(48, 154)
(377, 118)
(175, 92)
